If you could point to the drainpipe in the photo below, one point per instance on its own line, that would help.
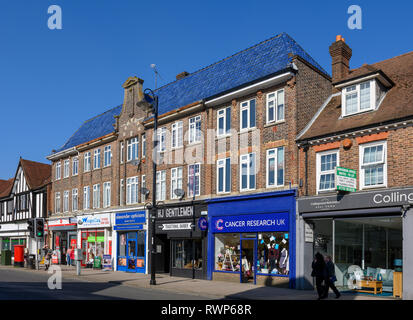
(305, 146)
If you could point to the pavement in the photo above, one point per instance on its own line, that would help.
(168, 287)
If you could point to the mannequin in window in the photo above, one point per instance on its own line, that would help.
(283, 260)
(272, 257)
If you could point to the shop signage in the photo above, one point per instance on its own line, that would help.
(177, 226)
(251, 223)
(107, 261)
(130, 217)
(129, 227)
(62, 222)
(357, 200)
(308, 233)
(95, 239)
(202, 224)
(346, 179)
(171, 213)
(93, 221)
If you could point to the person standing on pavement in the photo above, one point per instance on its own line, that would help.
(47, 257)
(331, 278)
(320, 274)
(68, 257)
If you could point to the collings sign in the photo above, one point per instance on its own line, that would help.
(370, 199)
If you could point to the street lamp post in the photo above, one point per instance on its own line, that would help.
(150, 103)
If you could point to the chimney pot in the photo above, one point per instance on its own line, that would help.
(341, 54)
(182, 75)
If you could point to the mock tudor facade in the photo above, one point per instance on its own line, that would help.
(364, 127)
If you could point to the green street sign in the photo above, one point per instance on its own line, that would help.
(346, 179)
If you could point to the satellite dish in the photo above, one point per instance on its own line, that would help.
(145, 191)
(179, 193)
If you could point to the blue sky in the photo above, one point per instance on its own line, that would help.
(53, 80)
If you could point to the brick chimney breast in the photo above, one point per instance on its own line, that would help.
(341, 54)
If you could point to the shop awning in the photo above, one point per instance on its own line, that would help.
(352, 213)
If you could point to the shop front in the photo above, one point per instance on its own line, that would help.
(130, 230)
(180, 239)
(12, 234)
(364, 233)
(94, 236)
(251, 239)
(63, 233)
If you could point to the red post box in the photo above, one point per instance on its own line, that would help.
(19, 255)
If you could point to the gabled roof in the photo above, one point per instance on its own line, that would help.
(93, 128)
(257, 62)
(397, 103)
(37, 174)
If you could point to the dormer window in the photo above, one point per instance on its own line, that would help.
(359, 98)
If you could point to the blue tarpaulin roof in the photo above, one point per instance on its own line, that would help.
(257, 62)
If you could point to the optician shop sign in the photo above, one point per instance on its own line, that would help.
(251, 223)
(130, 217)
(370, 199)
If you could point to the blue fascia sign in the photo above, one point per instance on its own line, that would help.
(130, 218)
(251, 223)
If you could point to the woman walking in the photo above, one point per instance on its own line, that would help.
(320, 274)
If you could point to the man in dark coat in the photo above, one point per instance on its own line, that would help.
(320, 274)
(331, 278)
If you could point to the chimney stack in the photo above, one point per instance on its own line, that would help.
(182, 75)
(341, 54)
(133, 92)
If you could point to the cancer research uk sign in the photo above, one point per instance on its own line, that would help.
(346, 179)
(251, 223)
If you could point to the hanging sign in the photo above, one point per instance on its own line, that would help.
(202, 224)
(346, 179)
(177, 226)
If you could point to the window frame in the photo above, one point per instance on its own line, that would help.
(177, 132)
(86, 197)
(96, 159)
(318, 169)
(96, 200)
(161, 185)
(276, 105)
(361, 165)
(57, 202)
(130, 182)
(65, 201)
(248, 108)
(222, 163)
(267, 169)
(194, 134)
(58, 172)
(66, 168)
(132, 149)
(75, 194)
(248, 172)
(226, 130)
(357, 90)
(107, 193)
(107, 156)
(199, 180)
(87, 161)
(176, 178)
(75, 165)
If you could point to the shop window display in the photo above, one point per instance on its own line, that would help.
(273, 256)
(183, 254)
(227, 252)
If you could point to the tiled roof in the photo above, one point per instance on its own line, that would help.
(5, 187)
(37, 174)
(397, 104)
(93, 128)
(257, 62)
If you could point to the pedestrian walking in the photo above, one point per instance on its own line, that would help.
(331, 278)
(320, 274)
(68, 257)
(47, 257)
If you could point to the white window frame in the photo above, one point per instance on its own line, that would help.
(199, 180)
(357, 90)
(362, 166)
(132, 149)
(222, 164)
(194, 131)
(75, 166)
(275, 100)
(177, 135)
(245, 158)
(66, 168)
(318, 168)
(122, 149)
(107, 157)
(96, 196)
(96, 159)
(246, 105)
(143, 145)
(132, 190)
(161, 185)
(86, 197)
(161, 138)
(75, 200)
(107, 192)
(143, 185)
(176, 180)
(57, 202)
(86, 162)
(66, 201)
(222, 114)
(58, 170)
(275, 157)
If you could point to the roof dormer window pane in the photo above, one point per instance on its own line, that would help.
(365, 96)
(359, 98)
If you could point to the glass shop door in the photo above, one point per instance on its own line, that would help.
(248, 258)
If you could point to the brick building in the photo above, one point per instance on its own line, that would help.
(365, 125)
